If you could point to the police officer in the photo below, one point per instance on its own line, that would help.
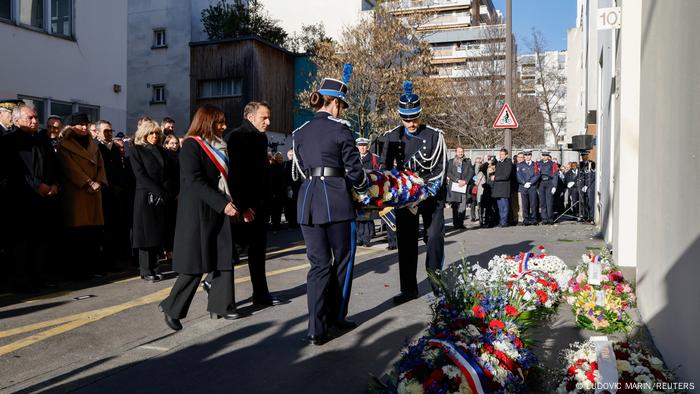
(548, 186)
(6, 107)
(528, 182)
(325, 154)
(588, 186)
(419, 148)
(365, 224)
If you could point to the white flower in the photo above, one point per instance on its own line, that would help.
(464, 388)
(451, 371)
(624, 366)
(656, 361)
(410, 387)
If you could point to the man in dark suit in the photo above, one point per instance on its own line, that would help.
(549, 176)
(501, 186)
(247, 151)
(588, 186)
(572, 179)
(32, 185)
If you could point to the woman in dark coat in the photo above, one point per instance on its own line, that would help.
(155, 191)
(203, 240)
(460, 171)
(501, 186)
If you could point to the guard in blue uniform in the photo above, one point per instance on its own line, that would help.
(528, 181)
(421, 149)
(325, 155)
(549, 176)
(587, 168)
(365, 224)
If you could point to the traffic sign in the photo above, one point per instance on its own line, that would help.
(506, 119)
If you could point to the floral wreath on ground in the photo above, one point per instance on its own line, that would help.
(535, 260)
(637, 370)
(600, 307)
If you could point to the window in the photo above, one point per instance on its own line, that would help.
(159, 39)
(61, 109)
(219, 88)
(6, 9)
(92, 112)
(158, 94)
(31, 13)
(62, 17)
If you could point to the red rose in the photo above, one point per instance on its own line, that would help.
(511, 311)
(479, 312)
(542, 296)
(541, 247)
(594, 366)
(518, 343)
(497, 324)
(591, 376)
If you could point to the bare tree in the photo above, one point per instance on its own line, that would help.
(550, 86)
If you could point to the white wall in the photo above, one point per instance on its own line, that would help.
(335, 14)
(170, 65)
(575, 112)
(85, 70)
(668, 210)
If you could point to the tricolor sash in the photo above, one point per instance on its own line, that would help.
(471, 371)
(220, 161)
(524, 258)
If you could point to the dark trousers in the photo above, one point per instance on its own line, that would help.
(83, 250)
(432, 211)
(391, 237)
(573, 199)
(590, 203)
(221, 295)
(457, 215)
(29, 257)
(503, 210)
(148, 261)
(546, 200)
(529, 198)
(365, 232)
(330, 249)
(254, 235)
(473, 208)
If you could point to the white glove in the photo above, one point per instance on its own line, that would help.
(570, 185)
(527, 185)
(583, 189)
(554, 190)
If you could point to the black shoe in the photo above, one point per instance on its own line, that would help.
(391, 247)
(404, 297)
(153, 278)
(229, 316)
(206, 286)
(270, 301)
(344, 324)
(174, 324)
(317, 340)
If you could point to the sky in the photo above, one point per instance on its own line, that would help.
(551, 17)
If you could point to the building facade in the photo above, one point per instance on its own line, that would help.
(463, 34)
(59, 59)
(639, 82)
(544, 77)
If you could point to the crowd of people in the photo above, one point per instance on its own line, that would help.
(79, 201)
(499, 191)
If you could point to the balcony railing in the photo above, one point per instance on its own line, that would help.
(413, 4)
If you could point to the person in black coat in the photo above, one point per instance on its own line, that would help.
(31, 187)
(587, 168)
(155, 190)
(203, 236)
(573, 184)
(501, 186)
(325, 151)
(247, 147)
(420, 148)
(460, 171)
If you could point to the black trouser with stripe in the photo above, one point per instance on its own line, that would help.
(221, 296)
(365, 232)
(432, 211)
(330, 249)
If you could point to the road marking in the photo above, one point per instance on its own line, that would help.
(150, 347)
(67, 323)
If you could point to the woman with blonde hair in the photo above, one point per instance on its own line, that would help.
(203, 238)
(156, 181)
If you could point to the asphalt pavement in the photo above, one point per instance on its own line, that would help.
(108, 336)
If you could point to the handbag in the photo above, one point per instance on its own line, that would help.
(475, 190)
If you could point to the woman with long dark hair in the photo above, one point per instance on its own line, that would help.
(203, 240)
